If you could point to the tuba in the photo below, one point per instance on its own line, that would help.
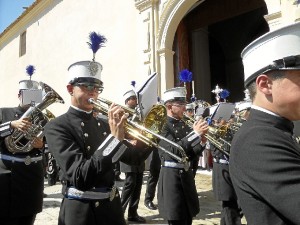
(21, 142)
(147, 130)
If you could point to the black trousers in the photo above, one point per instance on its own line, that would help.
(131, 192)
(24, 220)
(230, 213)
(187, 221)
(151, 185)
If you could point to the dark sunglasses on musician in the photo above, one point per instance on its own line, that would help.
(90, 87)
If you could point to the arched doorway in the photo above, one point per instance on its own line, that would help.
(209, 40)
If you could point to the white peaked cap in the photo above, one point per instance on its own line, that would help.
(128, 94)
(28, 84)
(85, 71)
(275, 50)
(175, 94)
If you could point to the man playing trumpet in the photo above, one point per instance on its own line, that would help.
(86, 149)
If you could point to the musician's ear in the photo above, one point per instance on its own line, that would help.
(168, 105)
(70, 88)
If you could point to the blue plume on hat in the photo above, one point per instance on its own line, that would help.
(224, 93)
(133, 83)
(96, 42)
(185, 75)
(30, 70)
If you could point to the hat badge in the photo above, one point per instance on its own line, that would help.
(93, 68)
(96, 42)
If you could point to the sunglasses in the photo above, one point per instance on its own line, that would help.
(90, 87)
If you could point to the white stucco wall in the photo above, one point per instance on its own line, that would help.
(58, 37)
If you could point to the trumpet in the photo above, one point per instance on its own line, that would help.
(215, 134)
(188, 120)
(146, 130)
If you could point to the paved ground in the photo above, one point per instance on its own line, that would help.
(209, 208)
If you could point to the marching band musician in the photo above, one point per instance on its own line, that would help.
(86, 149)
(153, 176)
(21, 174)
(133, 173)
(222, 186)
(190, 113)
(265, 157)
(177, 195)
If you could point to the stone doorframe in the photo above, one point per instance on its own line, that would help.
(161, 19)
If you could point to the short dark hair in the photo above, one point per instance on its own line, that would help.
(273, 75)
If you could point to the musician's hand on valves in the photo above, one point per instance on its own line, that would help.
(38, 143)
(116, 120)
(200, 127)
(21, 124)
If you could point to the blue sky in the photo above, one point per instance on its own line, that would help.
(10, 10)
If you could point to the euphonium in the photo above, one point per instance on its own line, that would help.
(146, 130)
(21, 142)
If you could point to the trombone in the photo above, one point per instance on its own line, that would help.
(146, 131)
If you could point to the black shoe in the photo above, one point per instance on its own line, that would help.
(137, 219)
(150, 205)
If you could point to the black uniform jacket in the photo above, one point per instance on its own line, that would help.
(177, 194)
(21, 186)
(85, 150)
(265, 170)
(126, 168)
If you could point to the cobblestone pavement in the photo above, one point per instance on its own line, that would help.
(209, 207)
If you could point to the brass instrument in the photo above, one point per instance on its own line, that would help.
(202, 103)
(146, 130)
(21, 142)
(215, 134)
(235, 126)
(188, 120)
(49, 115)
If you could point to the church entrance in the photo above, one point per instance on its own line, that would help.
(209, 41)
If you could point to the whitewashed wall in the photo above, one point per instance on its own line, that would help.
(57, 38)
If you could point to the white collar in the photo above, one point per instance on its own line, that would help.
(76, 108)
(263, 110)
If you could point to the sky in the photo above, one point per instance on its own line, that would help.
(10, 10)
